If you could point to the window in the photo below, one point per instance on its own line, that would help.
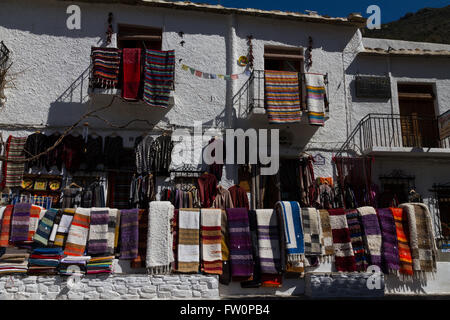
(130, 36)
(283, 58)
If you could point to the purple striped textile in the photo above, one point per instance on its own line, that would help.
(129, 237)
(356, 237)
(372, 234)
(98, 232)
(390, 259)
(20, 222)
(240, 243)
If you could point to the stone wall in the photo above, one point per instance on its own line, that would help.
(108, 287)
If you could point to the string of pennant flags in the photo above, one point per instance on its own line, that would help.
(206, 75)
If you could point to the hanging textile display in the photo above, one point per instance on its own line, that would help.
(256, 281)
(356, 236)
(269, 241)
(129, 236)
(131, 66)
(389, 252)
(159, 243)
(315, 98)
(404, 250)
(78, 233)
(6, 226)
(63, 227)
(211, 241)
(327, 237)
(36, 143)
(105, 66)
(206, 75)
(225, 277)
(20, 222)
(312, 234)
(240, 245)
(293, 234)
(13, 171)
(111, 235)
(159, 77)
(139, 261)
(421, 238)
(35, 215)
(372, 234)
(98, 232)
(282, 92)
(188, 240)
(45, 227)
(343, 251)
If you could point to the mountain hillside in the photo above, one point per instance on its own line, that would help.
(426, 25)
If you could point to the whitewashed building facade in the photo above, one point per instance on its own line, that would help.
(51, 65)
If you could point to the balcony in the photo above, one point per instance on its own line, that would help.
(398, 135)
(250, 99)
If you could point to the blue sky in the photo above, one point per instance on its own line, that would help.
(390, 9)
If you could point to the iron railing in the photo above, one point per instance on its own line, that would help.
(393, 131)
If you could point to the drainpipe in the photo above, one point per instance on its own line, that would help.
(231, 69)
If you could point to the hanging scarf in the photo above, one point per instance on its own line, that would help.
(327, 237)
(404, 251)
(240, 244)
(63, 227)
(78, 233)
(372, 234)
(6, 226)
(106, 66)
(159, 243)
(356, 236)
(129, 236)
(315, 98)
(131, 73)
(269, 241)
(421, 238)
(312, 233)
(344, 257)
(45, 227)
(293, 240)
(13, 171)
(188, 240)
(211, 241)
(98, 232)
(20, 222)
(389, 253)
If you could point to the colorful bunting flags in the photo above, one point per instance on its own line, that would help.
(206, 75)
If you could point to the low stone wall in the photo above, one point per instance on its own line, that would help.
(107, 287)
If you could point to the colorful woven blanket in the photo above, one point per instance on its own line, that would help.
(20, 222)
(315, 98)
(356, 237)
(63, 227)
(372, 234)
(311, 229)
(35, 214)
(282, 92)
(114, 216)
(268, 241)
(6, 226)
(421, 238)
(390, 260)
(100, 265)
(404, 251)
(129, 236)
(78, 233)
(289, 211)
(159, 77)
(98, 232)
(131, 73)
(45, 227)
(211, 241)
(139, 261)
(106, 66)
(13, 171)
(188, 240)
(343, 251)
(159, 243)
(327, 237)
(256, 281)
(240, 244)
(54, 228)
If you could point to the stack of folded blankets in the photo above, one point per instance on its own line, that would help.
(44, 261)
(14, 261)
(100, 265)
(71, 265)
